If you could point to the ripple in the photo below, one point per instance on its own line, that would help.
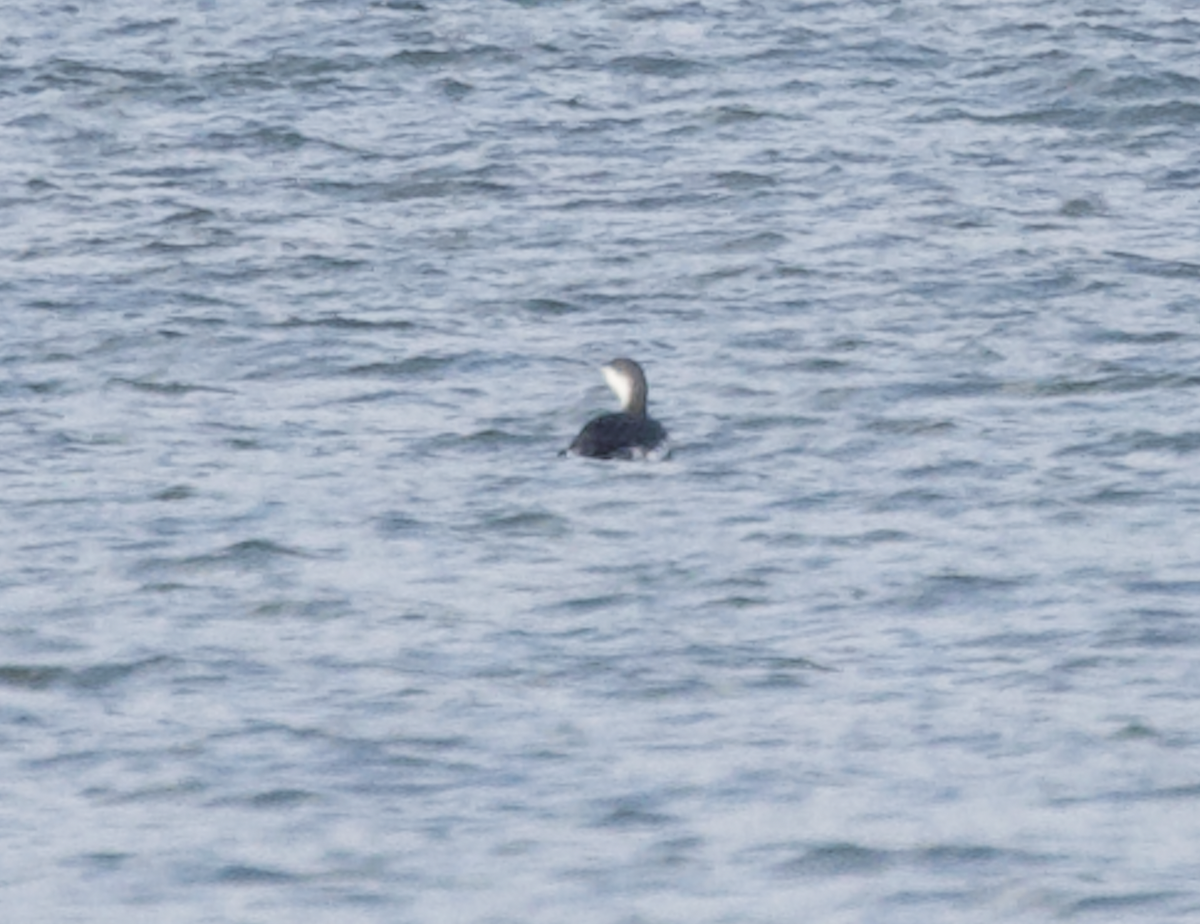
(91, 678)
(291, 306)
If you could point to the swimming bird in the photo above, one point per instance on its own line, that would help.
(628, 434)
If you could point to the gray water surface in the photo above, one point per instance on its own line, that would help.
(303, 619)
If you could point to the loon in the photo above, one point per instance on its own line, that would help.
(629, 434)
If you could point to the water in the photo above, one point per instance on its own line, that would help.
(302, 618)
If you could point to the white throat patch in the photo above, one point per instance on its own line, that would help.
(620, 384)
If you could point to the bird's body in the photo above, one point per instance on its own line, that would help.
(618, 436)
(628, 434)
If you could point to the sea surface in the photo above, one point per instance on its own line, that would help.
(302, 617)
